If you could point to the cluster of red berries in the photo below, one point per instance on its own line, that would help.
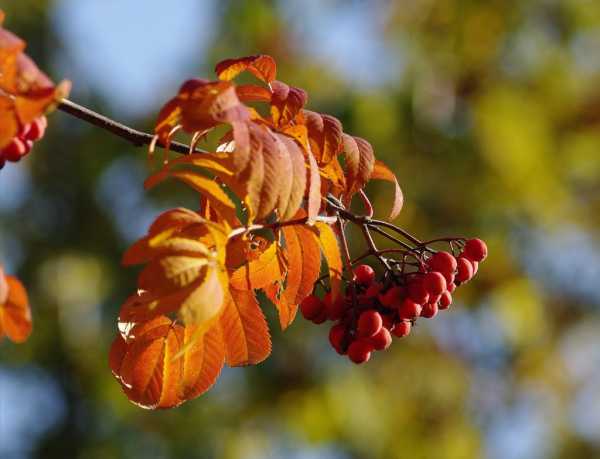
(371, 312)
(22, 143)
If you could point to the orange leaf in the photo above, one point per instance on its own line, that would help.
(258, 273)
(331, 251)
(149, 373)
(286, 310)
(324, 136)
(314, 188)
(202, 361)
(291, 202)
(303, 262)
(261, 66)
(252, 93)
(15, 315)
(210, 189)
(286, 103)
(382, 172)
(245, 330)
(160, 364)
(359, 163)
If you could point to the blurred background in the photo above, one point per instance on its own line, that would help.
(489, 112)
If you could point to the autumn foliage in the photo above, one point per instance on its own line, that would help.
(26, 93)
(274, 198)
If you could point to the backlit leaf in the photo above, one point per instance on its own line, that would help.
(261, 66)
(258, 273)
(331, 251)
(303, 262)
(382, 172)
(245, 330)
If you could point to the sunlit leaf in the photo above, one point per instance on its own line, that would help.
(245, 330)
(331, 251)
(258, 273)
(382, 172)
(261, 66)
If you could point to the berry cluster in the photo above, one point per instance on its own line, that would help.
(22, 143)
(372, 311)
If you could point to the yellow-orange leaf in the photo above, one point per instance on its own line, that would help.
(245, 330)
(382, 172)
(331, 251)
(260, 272)
(286, 310)
(15, 315)
(206, 301)
(210, 189)
(261, 66)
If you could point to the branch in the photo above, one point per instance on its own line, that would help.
(133, 136)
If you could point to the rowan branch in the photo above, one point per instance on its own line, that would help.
(365, 222)
(133, 136)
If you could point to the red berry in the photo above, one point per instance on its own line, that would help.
(409, 310)
(15, 150)
(435, 283)
(475, 266)
(364, 274)
(435, 299)
(476, 250)
(465, 270)
(388, 322)
(369, 323)
(336, 337)
(417, 291)
(429, 310)
(311, 307)
(381, 340)
(449, 278)
(402, 329)
(359, 351)
(443, 262)
(445, 300)
(393, 297)
(373, 290)
(451, 287)
(336, 309)
(322, 317)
